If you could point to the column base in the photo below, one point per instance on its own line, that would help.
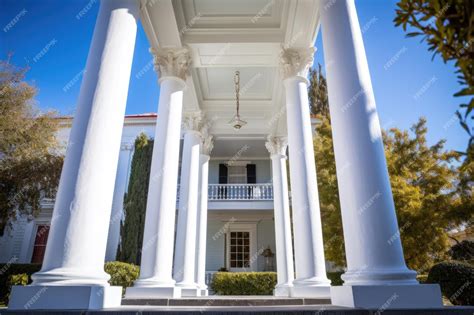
(152, 292)
(190, 292)
(34, 297)
(282, 290)
(384, 297)
(204, 292)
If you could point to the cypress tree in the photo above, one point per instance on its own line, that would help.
(131, 231)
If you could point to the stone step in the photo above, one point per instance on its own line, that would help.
(227, 301)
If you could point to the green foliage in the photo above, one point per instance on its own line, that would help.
(317, 92)
(14, 274)
(244, 283)
(328, 193)
(424, 191)
(122, 274)
(462, 251)
(30, 164)
(335, 277)
(131, 231)
(456, 280)
(447, 27)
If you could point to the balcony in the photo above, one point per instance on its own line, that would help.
(240, 192)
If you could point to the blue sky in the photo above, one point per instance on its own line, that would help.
(407, 83)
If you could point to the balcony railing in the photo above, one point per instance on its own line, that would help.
(240, 192)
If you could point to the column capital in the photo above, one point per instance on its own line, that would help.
(276, 145)
(172, 62)
(207, 140)
(296, 61)
(192, 122)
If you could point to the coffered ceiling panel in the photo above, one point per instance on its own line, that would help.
(218, 83)
(232, 14)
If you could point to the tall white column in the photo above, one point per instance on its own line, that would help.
(206, 148)
(376, 269)
(73, 267)
(311, 279)
(284, 247)
(185, 256)
(116, 215)
(157, 251)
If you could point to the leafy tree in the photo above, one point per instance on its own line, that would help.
(423, 182)
(462, 251)
(132, 228)
(430, 195)
(328, 192)
(30, 163)
(448, 28)
(317, 92)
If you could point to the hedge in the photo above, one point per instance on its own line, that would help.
(244, 283)
(456, 280)
(253, 283)
(121, 274)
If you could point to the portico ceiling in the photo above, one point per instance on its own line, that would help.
(229, 35)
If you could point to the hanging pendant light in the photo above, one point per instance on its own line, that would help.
(236, 122)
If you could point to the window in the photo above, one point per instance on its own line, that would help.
(239, 249)
(237, 174)
(39, 247)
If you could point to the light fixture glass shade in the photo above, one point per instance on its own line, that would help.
(237, 123)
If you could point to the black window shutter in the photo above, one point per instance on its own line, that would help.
(222, 174)
(251, 174)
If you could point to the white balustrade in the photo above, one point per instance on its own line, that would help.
(240, 192)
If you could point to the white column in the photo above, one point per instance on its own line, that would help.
(185, 256)
(157, 250)
(73, 267)
(120, 188)
(284, 247)
(311, 279)
(376, 269)
(206, 148)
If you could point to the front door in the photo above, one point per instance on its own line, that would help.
(241, 248)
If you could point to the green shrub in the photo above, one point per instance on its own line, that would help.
(6, 273)
(462, 251)
(456, 280)
(122, 274)
(244, 283)
(335, 277)
(19, 279)
(422, 278)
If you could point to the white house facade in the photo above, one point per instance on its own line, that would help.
(240, 203)
(214, 58)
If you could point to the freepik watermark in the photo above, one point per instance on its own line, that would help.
(15, 20)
